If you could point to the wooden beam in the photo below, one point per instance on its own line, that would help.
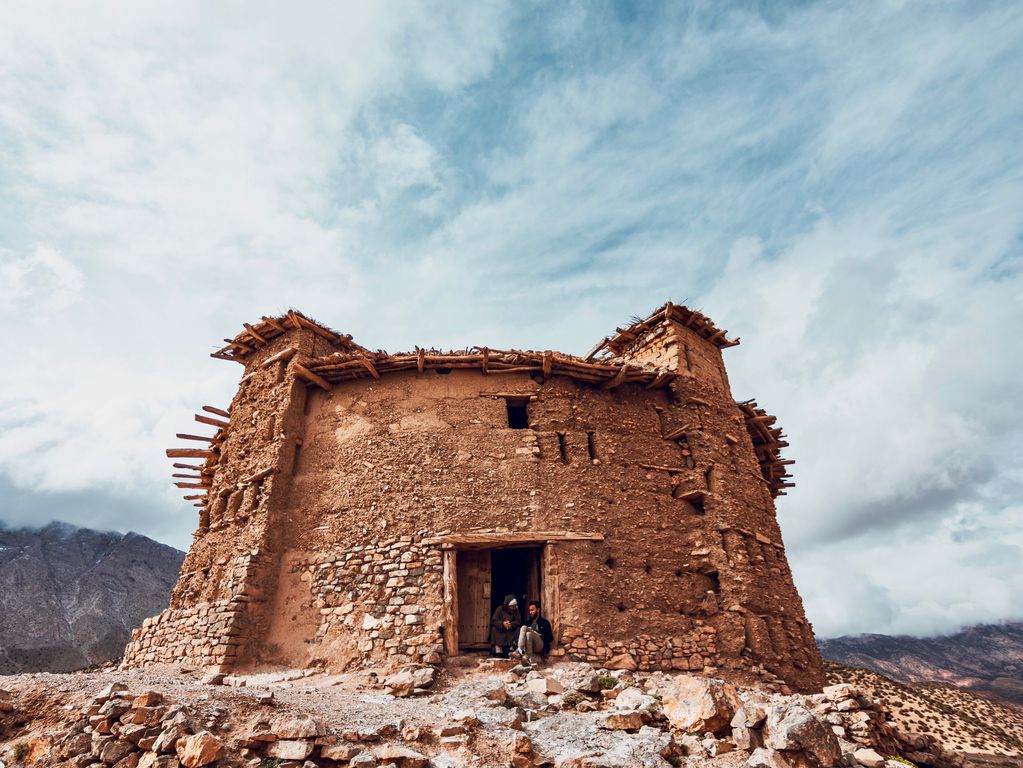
(486, 358)
(254, 334)
(244, 346)
(184, 436)
(187, 466)
(191, 485)
(293, 317)
(260, 475)
(449, 608)
(304, 373)
(619, 377)
(273, 323)
(696, 493)
(486, 538)
(548, 363)
(317, 329)
(217, 411)
(420, 359)
(600, 345)
(187, 477)
(284, 354)
(369, 366)
(189, 453)
(660, 379)
(222, 356)
(662, 468)
(195, 496)
(212, 422)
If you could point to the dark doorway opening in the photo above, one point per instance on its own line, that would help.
(515, 572)
(485, 576)
(518, 416)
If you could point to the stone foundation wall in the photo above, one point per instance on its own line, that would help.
(382, 598)
(208, 634)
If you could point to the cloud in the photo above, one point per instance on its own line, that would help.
(43, 280)
(838, 185)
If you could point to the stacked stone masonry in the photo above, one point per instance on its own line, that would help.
(347, 491)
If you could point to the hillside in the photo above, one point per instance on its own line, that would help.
(72, 595)
(963, 721)
(986, 659)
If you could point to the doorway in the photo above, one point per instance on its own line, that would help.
(485, 576)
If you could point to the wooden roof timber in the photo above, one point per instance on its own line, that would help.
(258, 335)
(692, 319)
(767, 445)
(347, 367)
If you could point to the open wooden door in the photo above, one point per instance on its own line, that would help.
(474, 582)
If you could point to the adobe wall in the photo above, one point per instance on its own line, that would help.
(327, 559)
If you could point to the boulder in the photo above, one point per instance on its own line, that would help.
(868, 758)
(290, 749)
(622, 721)
(115, 750)
(423, 677)
(339, 752)
(129, 761)
(633, 698)
(698, 704)
(401, 756)
(793, 728)
(623, 661)
(148, 699)
(544, 685)
(402, 684)
(153, 760)
(300, 726)
(201, 749)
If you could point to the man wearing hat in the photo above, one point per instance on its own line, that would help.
(504, 626)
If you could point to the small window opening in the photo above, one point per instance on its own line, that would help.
(647, 568)
(621, 607)
(715, 581)
(709, 478)
(591, 445)
(678, 572)
(610, 562)
(518, 416)
(563, 447)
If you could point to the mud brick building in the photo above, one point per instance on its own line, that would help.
(365, 507)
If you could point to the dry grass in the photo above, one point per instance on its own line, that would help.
(963, 721)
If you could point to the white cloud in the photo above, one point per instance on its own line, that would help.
(42, 280)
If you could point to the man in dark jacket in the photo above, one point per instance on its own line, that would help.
(536, 635)
(504, 626)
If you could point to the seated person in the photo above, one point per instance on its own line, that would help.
(504, 626)
(536, 635)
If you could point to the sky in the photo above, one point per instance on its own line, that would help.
(838, 184)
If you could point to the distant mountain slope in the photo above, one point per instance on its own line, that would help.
(986, 659)
(71, 596)
(988, 733)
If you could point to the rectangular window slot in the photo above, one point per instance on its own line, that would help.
(563, 447)
(591, 445)
(518, 415)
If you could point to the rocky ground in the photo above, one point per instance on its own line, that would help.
(492, 713)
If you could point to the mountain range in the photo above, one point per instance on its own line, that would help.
(71, 596)
(986, 659)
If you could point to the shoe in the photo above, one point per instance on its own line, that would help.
(516, 654)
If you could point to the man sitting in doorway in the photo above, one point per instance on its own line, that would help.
(536, 635)
(504, 626)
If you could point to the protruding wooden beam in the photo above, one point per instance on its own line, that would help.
(293, 317)
(189, 453)
(217, 411)
(254, 333)
(191, 485)
(284, 354)
(195, 496)
(240, 344)
(260, 475)
(186, 466)
(370, 367)
(619, 377)
(211, 422)
(184, 436)
(187, 477)
(274, 323)
(304, 373)
(420, 359)
(659, 380)
(222, 356)
(600, 345)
